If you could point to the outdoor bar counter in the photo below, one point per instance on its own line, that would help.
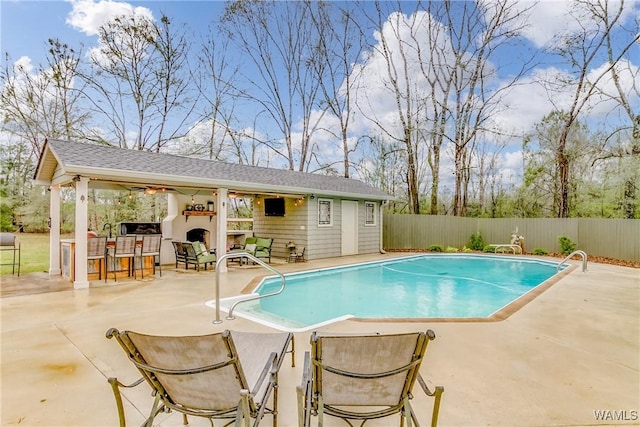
(67, 262)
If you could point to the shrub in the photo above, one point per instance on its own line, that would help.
(451, 249)
(476, 241)
(435, 248)
(566, 245)
(540, 251)
(489, 248)
(466, 249)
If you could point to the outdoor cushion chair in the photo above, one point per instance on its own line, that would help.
(227, 375)
(259, 247)
(9, 242)
(263, 248)
(364, 377)
(180, 253)
(196, 254)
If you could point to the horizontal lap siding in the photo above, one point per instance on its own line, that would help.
(368, 235)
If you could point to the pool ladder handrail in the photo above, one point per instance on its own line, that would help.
(583, 254)
(243, 254)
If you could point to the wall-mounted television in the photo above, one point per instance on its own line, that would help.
(274, 207)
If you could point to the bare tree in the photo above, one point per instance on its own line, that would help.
(440, 71)
(398, 82)
(340, 44)
(40, 102)
(543, 170)
(216, 84)
(476, 32)
(174, 79)
(581, 49)
(626, 136)
(278, 41)
(36, 102)
(140, 79)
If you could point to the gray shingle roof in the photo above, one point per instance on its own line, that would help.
(104, 162)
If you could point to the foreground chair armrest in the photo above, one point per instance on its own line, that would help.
(206, 376)
(364, 377)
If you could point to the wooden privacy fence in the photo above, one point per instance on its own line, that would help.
(613, 238)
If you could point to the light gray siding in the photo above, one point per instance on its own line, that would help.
(300, 225)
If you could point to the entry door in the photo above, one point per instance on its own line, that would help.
(349, 227)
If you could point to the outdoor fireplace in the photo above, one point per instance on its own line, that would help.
(198, 235)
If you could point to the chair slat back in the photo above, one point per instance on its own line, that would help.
(151, 244)
(215, 389)
(125, 246)
(366, 365)
(96, 247)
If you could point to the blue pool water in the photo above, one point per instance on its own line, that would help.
(424, 286)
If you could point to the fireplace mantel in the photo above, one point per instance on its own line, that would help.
(187, 214)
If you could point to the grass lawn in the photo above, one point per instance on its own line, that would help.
(34, 253)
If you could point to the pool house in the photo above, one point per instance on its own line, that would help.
(329, 216)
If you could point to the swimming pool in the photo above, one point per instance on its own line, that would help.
(415, 287)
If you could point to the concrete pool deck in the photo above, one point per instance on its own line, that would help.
(569, 353)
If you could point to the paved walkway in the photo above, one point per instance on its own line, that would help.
(572, 351)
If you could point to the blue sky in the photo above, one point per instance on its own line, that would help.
(26, 26)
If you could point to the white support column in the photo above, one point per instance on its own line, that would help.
(54, 231)
(221, 229)
(82, 202)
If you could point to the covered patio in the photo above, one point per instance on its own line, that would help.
(208, 184)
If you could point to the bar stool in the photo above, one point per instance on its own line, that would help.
(97, 249)
(125, 248)
(150, 248)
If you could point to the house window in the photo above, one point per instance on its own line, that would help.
(369, 213)
(325, 212)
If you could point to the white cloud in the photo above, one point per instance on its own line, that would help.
(551, 19)
(24, 64)
(88, 16)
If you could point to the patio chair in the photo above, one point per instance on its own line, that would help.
(364, 377)
(297, 255)
(228, 375)
(151, 244)
(9, 242)
(180, 253)
(259, 247)
(97, 250)
(195, 254)
(125, 248)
